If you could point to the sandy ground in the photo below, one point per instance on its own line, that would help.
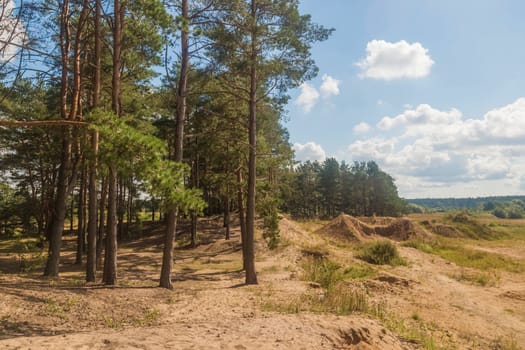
(210, 308)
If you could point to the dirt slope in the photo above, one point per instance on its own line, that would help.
(210, 307)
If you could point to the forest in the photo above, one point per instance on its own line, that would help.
(512, 207)
(181, 104)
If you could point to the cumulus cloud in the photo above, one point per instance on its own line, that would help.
(362, 128)
(309, 151)
(11, 31)
(388, 61)
(374, 148)
(442, 147)
(308, 97)
(505, 125)
(423, 114)
(329, 87)
(507, 122)
(487, 166)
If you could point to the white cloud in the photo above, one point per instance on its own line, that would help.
(310, 95)
(379, 102)
(329, 87)
(422, 115)
(507, 122)
(309, 151)
(307, 98)
(441, 148)
(373, 148)
(11, 31)
(388, 61)
(485, 166)
(362, 128)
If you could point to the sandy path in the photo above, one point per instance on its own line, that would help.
(213, 315)
(478, 315)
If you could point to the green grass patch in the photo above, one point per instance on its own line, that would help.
(480, 260)
(514, 232)
(327, 273)
(322, 270)
(484, 279)
(359, 271)
(381, 253)
(414, 330)
(467, 225)
(466, 257)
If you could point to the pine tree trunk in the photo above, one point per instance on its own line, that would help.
(167, 256)
(129, 213)
(110, 263)
(121, 208)
(193, 230)
(167, 259)
(195, 184)
(93, 247)
(91, 265)
(80, 218)
(251, 276)
(226, 219)
(101, 223)
(60, 209)
(152, 211)
(60, 206)
(242, 219)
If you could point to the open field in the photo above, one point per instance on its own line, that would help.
(458, 283)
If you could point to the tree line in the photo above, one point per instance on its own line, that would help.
(501, 206)
(329, 188)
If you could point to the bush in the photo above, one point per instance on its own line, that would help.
(515, 214)
(499, 213)
(381, 253)
(462, 216)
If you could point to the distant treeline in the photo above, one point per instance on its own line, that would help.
(327, 189)
(481, 203)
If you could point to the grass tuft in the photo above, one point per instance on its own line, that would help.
(483, 279)
(381, 253)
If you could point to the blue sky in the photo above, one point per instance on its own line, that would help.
(433, 91)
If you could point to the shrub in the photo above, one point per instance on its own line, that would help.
(381, 253)
(499, 213)
(515, 214)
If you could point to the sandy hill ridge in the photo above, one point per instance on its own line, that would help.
(350, 228)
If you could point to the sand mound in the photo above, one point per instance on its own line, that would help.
(400, 230)
(350, 228)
